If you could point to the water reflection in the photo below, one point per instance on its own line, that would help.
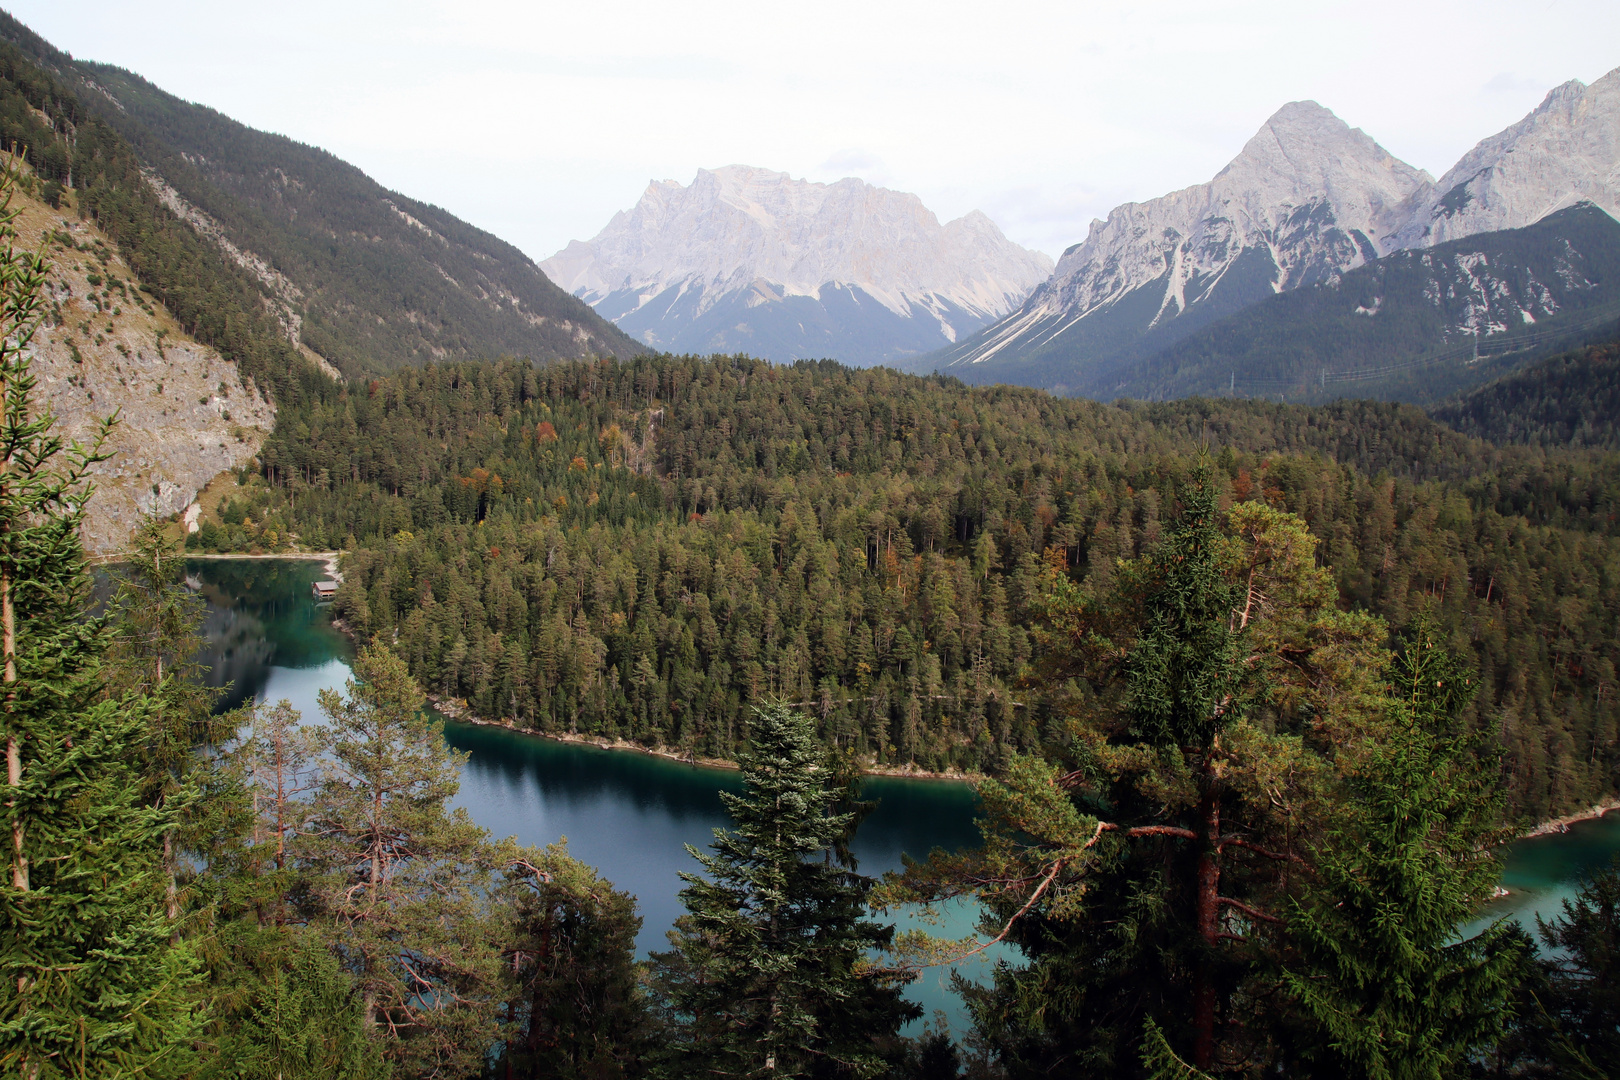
(261, 618)
(630, 815)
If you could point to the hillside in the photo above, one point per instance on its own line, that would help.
(365, 278)
(643, 550)
(1571, 400)
(1406, 327)
(185, 413)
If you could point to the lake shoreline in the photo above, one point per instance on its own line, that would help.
(457, 710)
(329, 558)
(1557, 825)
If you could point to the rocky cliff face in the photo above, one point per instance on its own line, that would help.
(1565, 152)
(185, 415)
(750, 259)
(1307, 200)
(1308, 197)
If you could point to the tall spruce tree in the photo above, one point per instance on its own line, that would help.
(1574, 1021)
(574, 1005)
(154, 621)
(768, 975)
(297, 1016)
(90, 984)
(1389, 991)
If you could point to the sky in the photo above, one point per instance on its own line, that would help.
(538, 120)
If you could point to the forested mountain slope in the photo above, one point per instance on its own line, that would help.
(642, 550)
(1572, 400)
(85, 170)
(366, 278)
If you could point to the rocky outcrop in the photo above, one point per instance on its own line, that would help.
(1308, 197)
(746, 258)
(184, 414)
(1566, 151)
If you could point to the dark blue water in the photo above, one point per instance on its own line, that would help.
(628, 814)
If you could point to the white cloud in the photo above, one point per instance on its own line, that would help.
(539, 120)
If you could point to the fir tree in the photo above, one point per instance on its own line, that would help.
(768, 975)
(575, 1009)
(1582, 973)
(1388, 990)
(90, 984)
(154, 622)
(300, 1017)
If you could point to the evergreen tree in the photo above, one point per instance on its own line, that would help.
(154, 621)
(1160, 1061)
(1388, 990)
(1582, 971)
(1141, 862)
(274, 759)
(299, 1018)
(90, 984)
(574, 1007)
(399, 882)
(768, 975)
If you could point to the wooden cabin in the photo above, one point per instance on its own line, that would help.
(325, 590)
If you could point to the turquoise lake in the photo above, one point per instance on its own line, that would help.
(630, 814)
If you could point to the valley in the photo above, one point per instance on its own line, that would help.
(1168, 663)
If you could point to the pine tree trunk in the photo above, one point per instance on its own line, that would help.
(8, 641)
(171, 888)
(1207, 898)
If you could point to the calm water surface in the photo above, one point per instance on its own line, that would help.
(631, 814)
(628, 814)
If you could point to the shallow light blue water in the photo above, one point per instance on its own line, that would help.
(628, 814)
(1544, 871)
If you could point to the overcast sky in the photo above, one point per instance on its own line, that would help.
(538, 120)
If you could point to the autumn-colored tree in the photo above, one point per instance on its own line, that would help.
(1141, 860)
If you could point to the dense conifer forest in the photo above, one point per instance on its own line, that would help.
(1254, 693)
(1568, 401)
(646, 550)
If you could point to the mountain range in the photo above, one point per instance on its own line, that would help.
(746, 260)
(1291, 271)
(360, 278)
(1306, 201)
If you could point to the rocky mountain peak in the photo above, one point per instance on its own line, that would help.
(1565, 151)
(685, 251)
